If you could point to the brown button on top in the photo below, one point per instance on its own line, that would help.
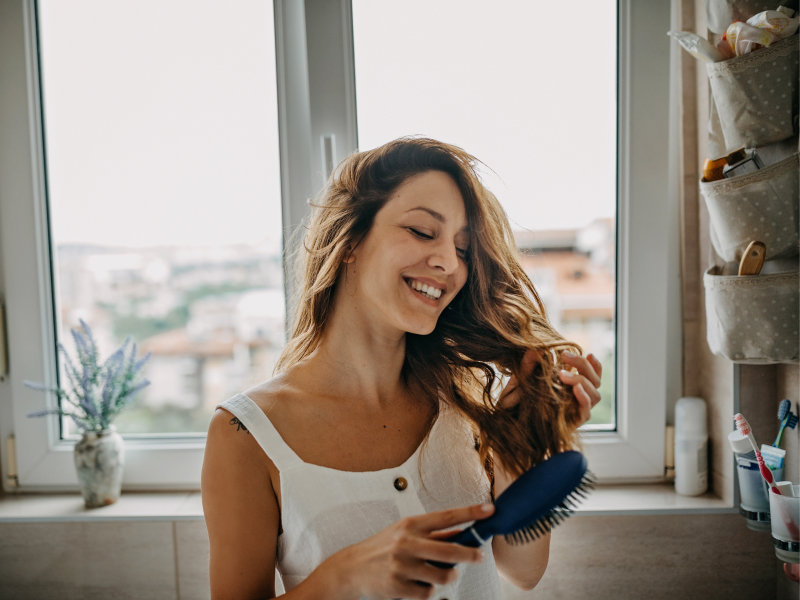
(400, 484)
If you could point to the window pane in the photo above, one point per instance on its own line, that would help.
(536, 102)
(162, 156)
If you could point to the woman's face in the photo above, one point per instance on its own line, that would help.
(411, 264)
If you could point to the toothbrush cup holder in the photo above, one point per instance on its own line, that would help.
(753, 492)
(785, 536)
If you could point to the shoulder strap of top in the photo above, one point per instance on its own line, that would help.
(258, 424)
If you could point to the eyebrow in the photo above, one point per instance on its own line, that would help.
(436, 215)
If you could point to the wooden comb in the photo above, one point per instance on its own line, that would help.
(753, 258)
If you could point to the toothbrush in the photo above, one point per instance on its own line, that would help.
(744, 428)
(788, 419)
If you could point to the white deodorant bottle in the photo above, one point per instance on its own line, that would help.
(691, 447)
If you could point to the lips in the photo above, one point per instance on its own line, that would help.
(427, 290)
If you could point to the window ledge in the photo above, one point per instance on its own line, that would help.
(649, 499)
(132, 506)
(606, 500)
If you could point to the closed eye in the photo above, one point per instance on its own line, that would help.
(420, 234)
(462, 252)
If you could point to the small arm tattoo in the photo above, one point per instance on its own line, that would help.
(239, 425)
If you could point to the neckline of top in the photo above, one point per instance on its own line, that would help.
(379, 471)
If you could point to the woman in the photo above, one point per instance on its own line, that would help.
(411, 302)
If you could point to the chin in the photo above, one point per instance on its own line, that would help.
(419, 327)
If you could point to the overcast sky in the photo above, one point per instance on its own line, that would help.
(161, 120)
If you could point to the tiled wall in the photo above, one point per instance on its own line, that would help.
(601, 558)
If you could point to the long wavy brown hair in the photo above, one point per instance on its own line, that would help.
(485, 331)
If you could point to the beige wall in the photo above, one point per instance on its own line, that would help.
(598, 558)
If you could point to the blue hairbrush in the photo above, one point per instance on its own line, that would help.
(541, 498)
(787, 418)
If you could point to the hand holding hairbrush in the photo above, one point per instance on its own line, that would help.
(533, 504)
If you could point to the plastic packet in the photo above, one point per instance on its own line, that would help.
(698, 47)
(743, 38)
(779, 22)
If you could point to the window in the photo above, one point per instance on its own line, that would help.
(319, 80)
(163, 189)
(517, 102)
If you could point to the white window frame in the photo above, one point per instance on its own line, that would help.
(316, 97)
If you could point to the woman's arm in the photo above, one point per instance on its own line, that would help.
(241, 513)
(522, 564)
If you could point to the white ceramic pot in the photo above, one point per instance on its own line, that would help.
(99, 460)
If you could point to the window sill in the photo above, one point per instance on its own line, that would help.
(649, 499)
(132, 506)
(610, 500)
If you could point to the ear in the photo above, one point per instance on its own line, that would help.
(349, 257)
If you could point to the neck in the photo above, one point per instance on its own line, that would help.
(356, 360)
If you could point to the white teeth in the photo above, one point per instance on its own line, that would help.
(427, 290)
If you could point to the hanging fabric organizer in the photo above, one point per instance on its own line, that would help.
(761, 206)
(755, 95)
(753, 319)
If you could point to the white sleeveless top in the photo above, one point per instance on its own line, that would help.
(325, 510)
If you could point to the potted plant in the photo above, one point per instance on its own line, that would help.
(97, 394)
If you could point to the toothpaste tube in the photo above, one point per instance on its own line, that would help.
(773, 457)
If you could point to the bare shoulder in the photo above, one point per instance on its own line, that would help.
(241, 511)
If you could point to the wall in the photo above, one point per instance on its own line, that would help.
(602, 558)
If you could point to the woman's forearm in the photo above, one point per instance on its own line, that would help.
(523, 564)
(327, 581)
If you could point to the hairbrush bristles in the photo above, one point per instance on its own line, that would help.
(741, 424)
(556, 516)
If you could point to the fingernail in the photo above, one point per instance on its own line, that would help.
(569, 354)
(565, 372)
(487, 507)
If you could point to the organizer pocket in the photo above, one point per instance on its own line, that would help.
(721, 13)
(756, 95)
(758, 206)
(753, 319)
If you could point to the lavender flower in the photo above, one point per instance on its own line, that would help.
(97, 392)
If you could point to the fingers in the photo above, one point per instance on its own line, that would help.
(584, 366)
(445, 552)
(585, 393)
(425, 573)
(413, 590)
(598, 367)
(448, 518)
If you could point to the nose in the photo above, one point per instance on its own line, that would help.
(444, 257)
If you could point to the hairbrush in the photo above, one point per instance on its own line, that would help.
(787, 419)
(541, 498)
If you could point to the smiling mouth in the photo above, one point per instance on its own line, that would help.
(428, 291)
